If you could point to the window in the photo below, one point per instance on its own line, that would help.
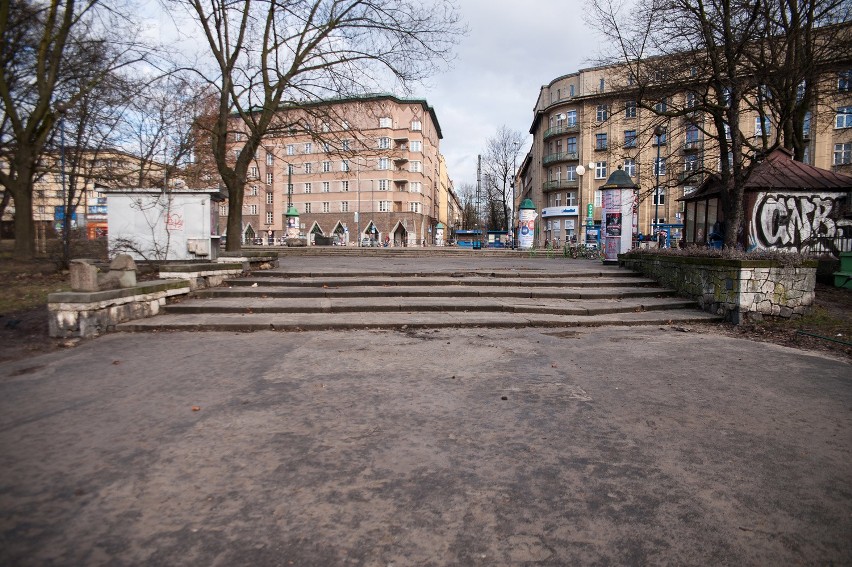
(344, 165)
(570, 173)
(690, 100)
(383, 184)
(326, 166)
(269, 179)
(291, 150)
(344, 125)
(326, 147)
(238, 137)
(270, 159)
(253, 191)
(660, 166)
(384, 143)
(223, 210)
(659, 197)
(347, 144)
(692, 137)
(385, 122)
(269, 217)
(269, 198)
(384, 163)
(416, 126)
(571, 145)
(253, 172)
(660, 140)
(384, 206)
(414, 207)
(307, 207)
(800, 91)
(630, 167)
(844, 81)
(415, 166)
(557, 200)
(344, 206)
(571, 118)
(326, 187)
(630, 109)
(252, 209)
(600, 170)
(571, 90)
(290, 168)
(842, 154)
(344, 186)
(661, 106)
(806, 125)
(308, 188)
(309, 168)
(602, 113)
(691, 163)
(326, 207)
(415, 187)
(844, 117)
(630, 138)
(602, 85)
(309, 148)
(416, 146)
(762, 127)
(598, 197)
(600, 141)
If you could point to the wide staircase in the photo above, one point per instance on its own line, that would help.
(421, 290)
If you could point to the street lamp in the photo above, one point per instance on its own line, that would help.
(511, 219)
(62, 107)
(659, 131)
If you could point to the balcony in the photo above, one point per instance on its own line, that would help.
(557, 130)
(563, 156)
(560, 184)
(692, 145)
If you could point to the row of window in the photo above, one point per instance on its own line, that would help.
(691, 163)
(343, 186)
(658, 197)
(382, 164)
(325, 207)
(384, 122)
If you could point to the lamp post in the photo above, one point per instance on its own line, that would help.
(511, 220)
(659, 131)
(62, 107)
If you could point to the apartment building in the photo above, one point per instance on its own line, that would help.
(86, 172)
(361, 170)
(588, 123)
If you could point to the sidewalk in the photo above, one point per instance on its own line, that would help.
(469, 447)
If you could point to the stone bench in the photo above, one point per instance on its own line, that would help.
(90, 313)
(200, 276)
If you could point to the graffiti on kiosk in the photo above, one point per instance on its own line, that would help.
(794, 222)
(174, 222)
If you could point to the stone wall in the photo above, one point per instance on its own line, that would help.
(88, 314)
(739, 290)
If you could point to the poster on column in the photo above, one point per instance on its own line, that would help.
(526, 230)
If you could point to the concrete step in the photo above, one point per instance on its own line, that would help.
(337, 282)
(402, 320)
(430, 304)
(454, 291)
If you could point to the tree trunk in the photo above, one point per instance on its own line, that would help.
(24, 226)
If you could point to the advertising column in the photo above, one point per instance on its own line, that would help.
(526, 224)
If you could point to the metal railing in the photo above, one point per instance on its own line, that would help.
(557, 130)
(560, 184)
(562, 156)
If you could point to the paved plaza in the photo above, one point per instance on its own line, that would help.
(581, 446)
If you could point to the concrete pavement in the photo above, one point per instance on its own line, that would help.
(615, 445)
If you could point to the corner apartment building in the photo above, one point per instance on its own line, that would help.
(367, 169)
(590, 118)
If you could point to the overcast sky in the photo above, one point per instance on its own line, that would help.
(513, 48)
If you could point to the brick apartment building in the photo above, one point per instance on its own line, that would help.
(364, 169)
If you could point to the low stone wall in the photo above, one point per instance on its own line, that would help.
(88, 314)
(739, 290)
(200, 276)
(251, 259)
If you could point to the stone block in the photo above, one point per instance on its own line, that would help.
(84, 276)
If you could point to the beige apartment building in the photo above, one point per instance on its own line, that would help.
(95, 170)
(591, 119)
(359, 170)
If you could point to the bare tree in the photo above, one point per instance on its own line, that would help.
(274, 54)
(45, 67)
(716, 55)
(498, 164)
(469, 210)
